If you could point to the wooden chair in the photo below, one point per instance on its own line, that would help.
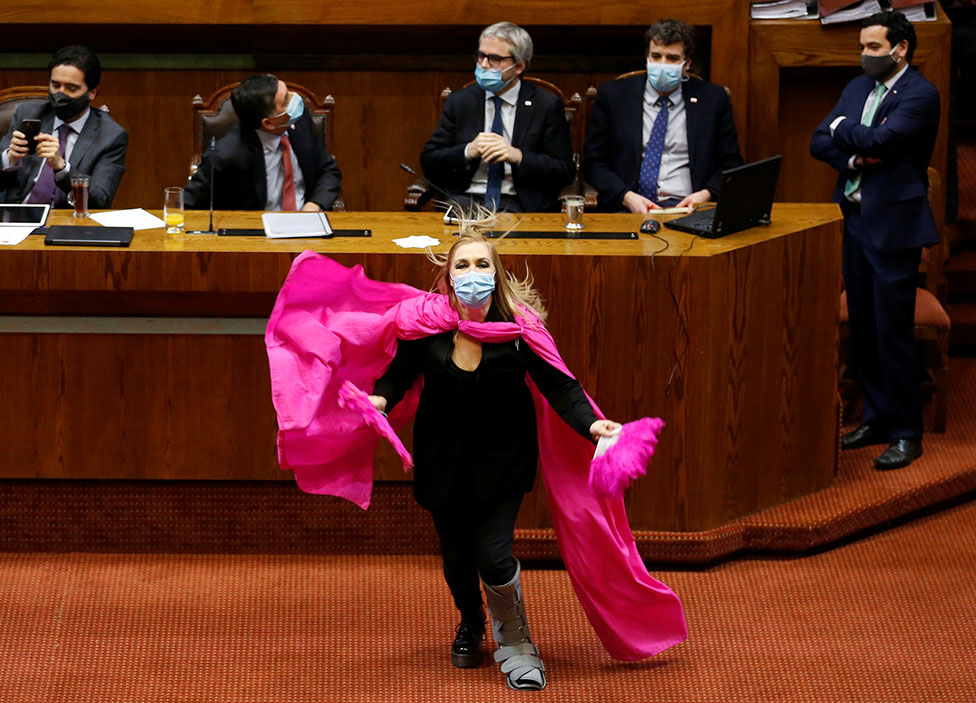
(10, 98)
(215, 116)
(932, 328)
(418, 194)
(589, 192)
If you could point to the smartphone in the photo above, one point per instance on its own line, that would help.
(30, 128)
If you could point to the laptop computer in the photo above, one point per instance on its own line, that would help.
(88, 236)
(746, 200)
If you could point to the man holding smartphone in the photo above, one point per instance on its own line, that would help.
(49, 142)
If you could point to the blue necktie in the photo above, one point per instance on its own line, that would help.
(45, 190)
(651, 165)
(496, 171)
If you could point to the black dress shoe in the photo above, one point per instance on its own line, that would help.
(899, 454)
(863, 436)
(468, 649)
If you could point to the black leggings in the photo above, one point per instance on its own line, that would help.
(476, 541)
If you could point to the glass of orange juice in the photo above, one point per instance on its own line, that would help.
(173, 210)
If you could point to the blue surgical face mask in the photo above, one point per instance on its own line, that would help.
(296, 107)
(490, 79)
(664, 77)
(473, 289)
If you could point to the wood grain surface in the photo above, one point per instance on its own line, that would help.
(732, 341)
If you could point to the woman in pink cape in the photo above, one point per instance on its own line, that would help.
(492, 391)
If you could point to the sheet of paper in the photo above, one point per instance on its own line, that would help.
(15, 235)
(284, 225)
(671, 211)
(417, 241)
(136, 218)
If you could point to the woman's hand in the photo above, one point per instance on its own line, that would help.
(379, 402)
(604, 428)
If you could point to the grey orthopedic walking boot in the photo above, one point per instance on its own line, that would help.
(518, 656)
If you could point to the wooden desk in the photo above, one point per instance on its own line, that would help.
(148, 362)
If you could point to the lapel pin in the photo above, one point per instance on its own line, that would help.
(894, 92)
(528, 103)
(694, 100)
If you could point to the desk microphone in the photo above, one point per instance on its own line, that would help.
(451, 202)
(213, 172)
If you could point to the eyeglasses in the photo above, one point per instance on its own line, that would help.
(494, 60)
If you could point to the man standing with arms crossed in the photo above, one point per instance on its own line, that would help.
(880, 137)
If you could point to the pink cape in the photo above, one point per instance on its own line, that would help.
(331, 324)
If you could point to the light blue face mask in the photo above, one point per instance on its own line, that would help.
(296, 107)
(473, 289)
(664, 77)
(490, 79)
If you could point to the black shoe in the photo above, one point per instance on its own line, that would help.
(468, 649)
(899, 454)
(863, 436)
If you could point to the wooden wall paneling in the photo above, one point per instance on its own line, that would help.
(385, 100)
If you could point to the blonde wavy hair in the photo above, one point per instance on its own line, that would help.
(512, 296)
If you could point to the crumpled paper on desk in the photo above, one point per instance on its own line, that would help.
(417, 241)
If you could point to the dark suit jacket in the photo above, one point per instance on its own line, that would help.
(614, 145)
(99, 152)
(894, 193)
(241, 182)
(540, 131)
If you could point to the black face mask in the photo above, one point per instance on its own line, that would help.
(67, 107)
(878, 68)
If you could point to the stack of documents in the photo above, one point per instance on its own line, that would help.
(836, 11)
(778, 10)
(914, 10)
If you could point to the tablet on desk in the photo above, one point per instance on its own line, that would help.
(19, 215)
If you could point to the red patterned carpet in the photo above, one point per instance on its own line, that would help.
(887, 618)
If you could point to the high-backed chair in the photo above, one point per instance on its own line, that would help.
(418, 193)
(589, 192)
(932, 327)
(215, 116)
(10, 98)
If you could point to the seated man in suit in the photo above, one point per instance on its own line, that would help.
(271, 160)
(660, 140)
(502, 143)
(73, 139)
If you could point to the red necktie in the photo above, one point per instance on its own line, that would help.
(288, 187)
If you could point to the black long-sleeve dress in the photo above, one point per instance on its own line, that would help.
(475, 431)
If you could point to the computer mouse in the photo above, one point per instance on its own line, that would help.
(650, 227)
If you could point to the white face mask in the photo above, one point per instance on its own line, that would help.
(664, 77)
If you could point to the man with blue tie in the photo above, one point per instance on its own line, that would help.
(73, 139)
(880, 137)
(501, 141)
(660, 139)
